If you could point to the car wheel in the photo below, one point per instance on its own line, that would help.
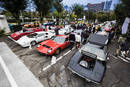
(33, 43)
(57, 51)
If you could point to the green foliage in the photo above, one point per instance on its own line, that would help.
(122, 11)
(101, 16)
(43, 7)
(90, 15)
(73, 16)
(14, 7)
(58, 6)
(78, 10)
(2, 32)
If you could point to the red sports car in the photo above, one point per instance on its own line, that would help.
(21, 33)
(54, 45)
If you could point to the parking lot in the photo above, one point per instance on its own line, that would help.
(58, 75)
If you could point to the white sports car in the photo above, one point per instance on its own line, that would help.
(66, 30)
(34, 38)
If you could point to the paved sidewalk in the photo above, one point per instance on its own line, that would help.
(13, 71)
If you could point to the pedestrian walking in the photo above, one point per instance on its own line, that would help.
(111, 35)
(72, 40)
(94, 29)
(90, 29)
(78, 40)
(125, 49)
(84, 36)
(57, 31)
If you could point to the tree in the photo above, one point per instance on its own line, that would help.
(43, 7)
(78, 10)
(122, 11)
(15, 7)
(90, 16)
(58, 6)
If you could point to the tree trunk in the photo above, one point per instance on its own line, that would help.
(41, 18)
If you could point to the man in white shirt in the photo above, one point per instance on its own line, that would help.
(78, 40)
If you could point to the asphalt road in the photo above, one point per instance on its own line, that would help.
(57, 75)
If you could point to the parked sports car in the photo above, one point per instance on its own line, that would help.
(66, 30)
(103, 33)
(89, 63)
(17, 35)
(54, 45)
(32, 39)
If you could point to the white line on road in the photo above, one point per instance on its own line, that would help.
(113, 56)
(123, 59)
(67, 53)
(44, 69)
(127, 58)
(9, 76)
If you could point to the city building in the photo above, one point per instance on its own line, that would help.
(96, 7)
(107, 5)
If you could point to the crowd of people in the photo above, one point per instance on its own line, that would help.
(78, 39)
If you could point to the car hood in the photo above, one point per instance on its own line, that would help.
(94, 75)
(25, 39)
(51, 44)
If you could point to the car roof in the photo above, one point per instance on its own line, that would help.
(98, 39)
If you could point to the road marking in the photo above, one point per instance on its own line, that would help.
(44, 69)
(67, 53)
(9, 76)
(123, 59)
(59, 58)
(113, 56)
(127, 58)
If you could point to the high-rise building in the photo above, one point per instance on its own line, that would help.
(107, 5)
(96, 7)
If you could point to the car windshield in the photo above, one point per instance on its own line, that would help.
(21, 31)
(31, 35)
(58, 39)
(29, 31)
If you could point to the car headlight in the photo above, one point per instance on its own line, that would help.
(49, 50)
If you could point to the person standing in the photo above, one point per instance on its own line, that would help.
(72, 40)
(57, 31)
(84, 36)
(111, 35)
(93, 29)
(78, 40)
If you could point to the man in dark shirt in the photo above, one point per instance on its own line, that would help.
(72, 40)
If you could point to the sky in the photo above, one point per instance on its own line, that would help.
(82, 2)
(85, 2)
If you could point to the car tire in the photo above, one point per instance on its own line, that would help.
(57, 51)
(33, 43)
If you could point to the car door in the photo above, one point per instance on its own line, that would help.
(66, 43)
(40, 37)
